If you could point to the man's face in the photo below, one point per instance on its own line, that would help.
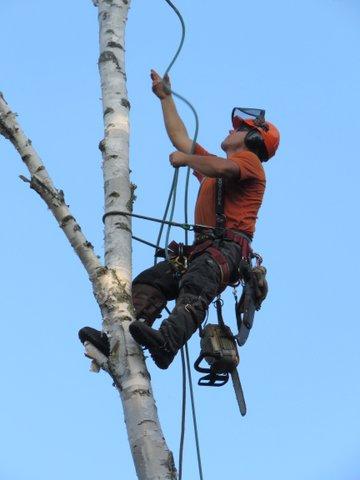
(235, 139)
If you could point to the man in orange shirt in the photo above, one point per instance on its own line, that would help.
(213, 263)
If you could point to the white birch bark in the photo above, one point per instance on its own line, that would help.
(112, 282)
(152, 458)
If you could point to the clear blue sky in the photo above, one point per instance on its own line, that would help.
(300, 61)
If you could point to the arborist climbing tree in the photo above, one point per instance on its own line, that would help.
(230, 196)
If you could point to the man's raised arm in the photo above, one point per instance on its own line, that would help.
(175, 127)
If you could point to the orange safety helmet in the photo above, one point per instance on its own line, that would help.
(255, 119)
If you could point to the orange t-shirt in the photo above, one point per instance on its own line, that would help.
(243, 196)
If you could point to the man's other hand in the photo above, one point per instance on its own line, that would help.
(178, 159)
(160, 86)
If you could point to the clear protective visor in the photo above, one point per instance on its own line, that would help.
(239, 114)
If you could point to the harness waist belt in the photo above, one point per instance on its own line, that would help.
(227, 233)
(179, 250)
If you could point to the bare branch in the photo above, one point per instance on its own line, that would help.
(43, 185)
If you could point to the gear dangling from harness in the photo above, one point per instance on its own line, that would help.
(219, 350)
(254, 292)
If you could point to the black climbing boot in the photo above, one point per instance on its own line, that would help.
(154, 341)
(96, 338)
(174, 332)
(184, 320)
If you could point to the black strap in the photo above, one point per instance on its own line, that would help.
(218, 304)
(219, 207)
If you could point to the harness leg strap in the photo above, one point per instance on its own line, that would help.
(222, 262)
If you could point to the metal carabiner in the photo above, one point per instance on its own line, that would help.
(259, 259)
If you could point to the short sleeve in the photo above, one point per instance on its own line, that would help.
(249, 164)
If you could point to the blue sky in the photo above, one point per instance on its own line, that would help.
(300, 61)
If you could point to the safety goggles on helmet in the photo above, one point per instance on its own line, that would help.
(254, 118)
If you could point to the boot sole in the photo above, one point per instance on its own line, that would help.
(88, 334)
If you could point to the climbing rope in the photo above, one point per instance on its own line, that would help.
(183, 413)
(188, 367)
(172, 196)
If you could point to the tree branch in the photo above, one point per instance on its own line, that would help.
(42, 184)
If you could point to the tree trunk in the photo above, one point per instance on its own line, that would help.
(152, 458)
